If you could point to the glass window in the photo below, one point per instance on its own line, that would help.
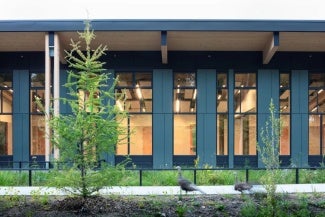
(316, 113)
(6, 98)
(185, 95)
(37, 123)
(5, 134)
(184, 134)
(245, 113)
(37, 118)
(137, 87)
(222, 114)
(285, 116)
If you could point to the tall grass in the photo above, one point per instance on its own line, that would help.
(124, 177)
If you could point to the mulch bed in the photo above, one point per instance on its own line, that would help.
(188, 205)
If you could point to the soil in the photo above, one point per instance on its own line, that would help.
(189, 205)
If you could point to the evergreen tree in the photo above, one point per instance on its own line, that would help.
(91, 128)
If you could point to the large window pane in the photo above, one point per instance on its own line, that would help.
(245, 100)
(184, 134)
(37, 135)
(137, 87)
(122, 147)
(6, 99)
(285, 135)
(316, 113)
(184, 92)
(245, 113)
(141, 137)
(37, 119)
(285, 113)
(222, 134)
(5, 134)
(314, 135)
(245, 135)
(185, 113)
(6, 93)
(222, 114)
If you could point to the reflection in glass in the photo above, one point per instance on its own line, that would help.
(37, 127)
(37, 79)
(37, 94)
(184, 134)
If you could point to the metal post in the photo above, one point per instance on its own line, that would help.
(140, 173)
(247, 175)
(297, 176)
(194, 176)
(29, 177)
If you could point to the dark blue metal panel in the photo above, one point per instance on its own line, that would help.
(206, 116)
(162, 118)
(276, 37)
(299, 117)
(21, 129)
(268, 88)
(163, 38)
(64, 107)
(164, 25)
(231, 127)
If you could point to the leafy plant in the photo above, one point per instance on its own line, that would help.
(269, 153)
(91, 128)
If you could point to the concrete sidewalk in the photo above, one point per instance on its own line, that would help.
(163, 190)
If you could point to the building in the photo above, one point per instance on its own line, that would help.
(196, 88)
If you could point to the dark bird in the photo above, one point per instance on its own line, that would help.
(185, 184)
(242, 186)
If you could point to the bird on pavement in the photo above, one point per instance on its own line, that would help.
(242, 186)
(185, 184)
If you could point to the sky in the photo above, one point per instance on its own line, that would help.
(165, 9)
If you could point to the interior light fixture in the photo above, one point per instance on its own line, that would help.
(142, 105)
(138, 90)
(194, 94)
(314, 109)
(192, 105)
(177, 105)
(321, 90)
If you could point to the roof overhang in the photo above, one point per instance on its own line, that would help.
(267, 37)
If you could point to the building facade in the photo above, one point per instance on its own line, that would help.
(197, 90)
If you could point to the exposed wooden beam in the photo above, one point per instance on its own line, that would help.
(164, 50)
(271, 47)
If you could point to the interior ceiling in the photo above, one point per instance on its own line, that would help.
(176, 41)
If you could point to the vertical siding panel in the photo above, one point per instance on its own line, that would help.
(299, 117)
(267, 89)
(162, 118)
(21, 126)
